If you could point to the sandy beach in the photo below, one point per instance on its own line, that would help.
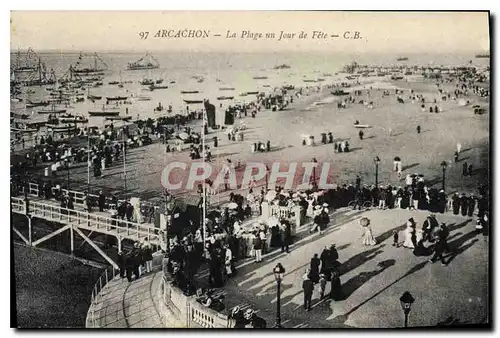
(392, 133)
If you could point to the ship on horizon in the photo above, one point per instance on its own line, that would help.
(145, 62)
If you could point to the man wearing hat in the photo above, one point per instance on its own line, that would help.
(237, 316)
(308, 287)
(254, 321)
(101, 201)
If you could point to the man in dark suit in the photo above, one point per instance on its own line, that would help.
(308, 287)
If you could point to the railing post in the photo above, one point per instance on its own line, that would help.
(106, 271)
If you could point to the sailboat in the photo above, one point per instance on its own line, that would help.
(53, 110)
(98, 65)
(25, 62)
(145, 62)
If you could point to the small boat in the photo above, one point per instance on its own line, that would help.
(104, 113)
(147, 82)
(72, 119)
(253, 93)
(260, 77)
(58, 128)
(54, 111)
(19, 116)
(193, 101)
(189, 91)
(23, 130)
(404, 58)
(320, 80)
(220, 98)
(243, 94)
(145, 62)
(289, 87)
(283, 66)
(32, 104)
(339, 92)
(172, 82)
(307, 80)
(482, 56)
(159, 81)
(119, 118)
(113, 82)
(94, 97)
(36, 124)
(226, 88)
(266, 86)
(362, 126)
(143, 98)
(397, 77)
(153, 87)
(116, 98)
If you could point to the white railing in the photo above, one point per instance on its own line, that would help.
(102, 281)
(82, 219)
(189, 311)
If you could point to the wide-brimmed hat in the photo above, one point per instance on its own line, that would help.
(249, 313)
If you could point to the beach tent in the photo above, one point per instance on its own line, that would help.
(210, 109)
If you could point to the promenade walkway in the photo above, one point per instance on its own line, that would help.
(121, 304)
(373, 279)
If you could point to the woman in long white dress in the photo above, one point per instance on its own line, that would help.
(368, 236)
(408, 234)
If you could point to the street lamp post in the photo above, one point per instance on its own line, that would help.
(267, 178)
(444, 165)
(377, 161)
(314, 170)
(406, 301)
(279, 272)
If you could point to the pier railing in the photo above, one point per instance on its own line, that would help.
(106, 276)
(188, 311)
(85, 220)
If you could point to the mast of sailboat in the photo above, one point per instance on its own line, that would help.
(204, 209)
(124, 160)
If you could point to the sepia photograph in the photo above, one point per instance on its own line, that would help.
(250, 169)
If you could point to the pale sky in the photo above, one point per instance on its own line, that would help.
(384, 32)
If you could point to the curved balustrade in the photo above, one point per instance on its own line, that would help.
(90, 221)
(99, 285)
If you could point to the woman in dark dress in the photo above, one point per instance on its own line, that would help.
(314, 269)
(336, 288)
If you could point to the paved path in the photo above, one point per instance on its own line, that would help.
(129, 305)
(375, 278)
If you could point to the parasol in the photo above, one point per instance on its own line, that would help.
(364, 221)
(231, 206)
(183, 136)
(271, 195)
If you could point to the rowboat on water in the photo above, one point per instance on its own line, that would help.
(193, 101)
(153, 87)
(73, 119)
(260, 77)
(104, 113)
(266, 86)
(339, 92)
(119, 118)
(226, 88)
(143, 98)
(220, 98)
(253, 93)
(362, 126)
(116, 98)
(58, 128)
(53, 111)
(23, 130)
(94, 97)
(189, 91)
(308, 80)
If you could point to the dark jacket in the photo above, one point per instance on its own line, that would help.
(308, 286)
(257, 244)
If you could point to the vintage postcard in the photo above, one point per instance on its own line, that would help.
(237, 170)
